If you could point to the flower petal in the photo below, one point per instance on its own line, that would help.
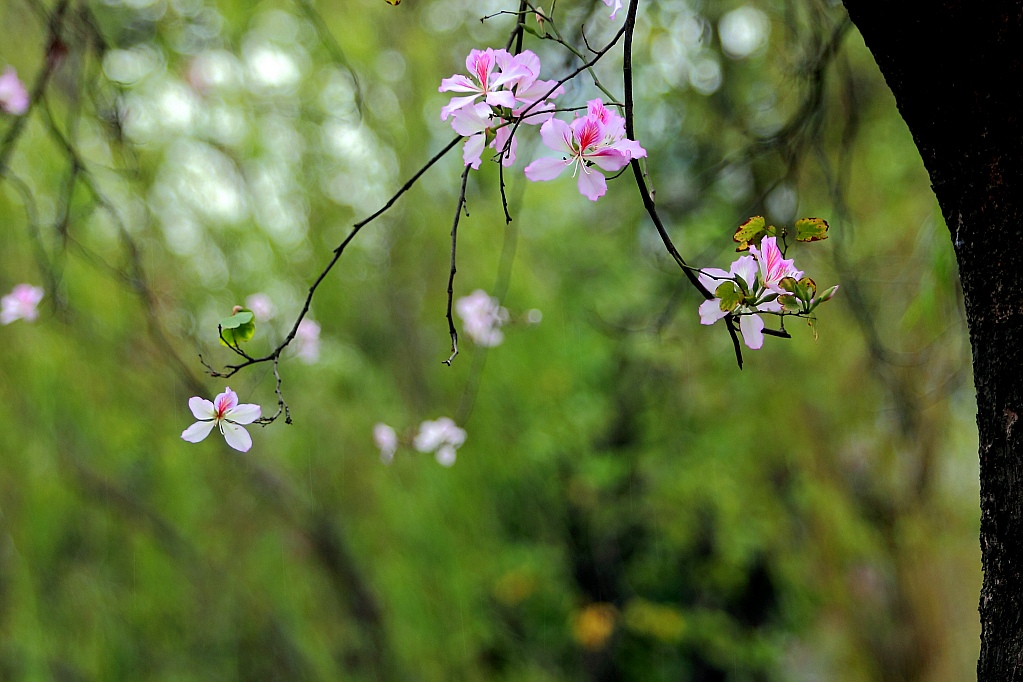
(472, 151)
(592, 184)
(201, 408)
(711, 312)
(546, 169)
(236, 436)
(458, 83)
(712, 278)
(455, 104)
(197, 431)
(244, 414)
(557, 135)
(446, 455)
(752, 328)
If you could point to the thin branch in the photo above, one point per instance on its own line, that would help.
(451, 275)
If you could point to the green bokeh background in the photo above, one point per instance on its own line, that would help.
(628, 505)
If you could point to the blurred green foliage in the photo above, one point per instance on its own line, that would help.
(628, 505)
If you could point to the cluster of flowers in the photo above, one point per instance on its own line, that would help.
(13, 95)
(511, 89)
(513, 93)
(21, 304)
(482, 317)
(763, 282)
(441, 437)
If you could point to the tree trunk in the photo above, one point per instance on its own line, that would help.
(956, 70)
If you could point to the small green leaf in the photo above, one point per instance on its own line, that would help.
(789, 303)
(729, 295)
(811, 230)
(238, 328)
(237, 320)
(750, 232)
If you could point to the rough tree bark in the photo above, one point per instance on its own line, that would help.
(956, 69)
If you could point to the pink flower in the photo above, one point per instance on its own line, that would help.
(20, 304)
(307, 341)
(13, 95)
(481, 316)
(227, 415)
(747, 269)
(617, 6)
(387, 440)
(595, 141)
(442, 437)
(773, 269)
(487, 80)
(261, 306)
(475, 123)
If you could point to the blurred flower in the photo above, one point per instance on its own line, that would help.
(226, 414)
(387, 440)
(594, 625)
(442, 437)
(594, 141)
(307, 341)
(534, 316)
(481, 316)
(617, 6)
(13, 95)
(20, 304)
(261, 306)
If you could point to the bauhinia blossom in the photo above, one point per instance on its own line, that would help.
(13, 95)
(21, 304)
(615, 5)
(511, 91)
(486, 80)
(773, 267)
(763, 282)
(307, 341)
(386, 439)
(261, 305)
(442, 437)
(227, 415)
(744, 300)
(482, 315)
(588, 145)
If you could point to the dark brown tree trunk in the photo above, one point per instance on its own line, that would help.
(956, 69)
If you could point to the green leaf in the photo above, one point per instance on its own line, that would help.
(238, 328)
(237, 320)
(811, 230)
(789, 303)
(810, 286)
(788, 284)
(729, 295)
(750, 232)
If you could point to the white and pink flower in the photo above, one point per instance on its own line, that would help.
(753, 300)
(224, 413)
(386, 438)
(773, 267)
(21, 304)
(442, 437)
(615, 5)
(13, 95)
(487, 80)
(589, 144)
(307, 341)
(482, 317)
(262, 307)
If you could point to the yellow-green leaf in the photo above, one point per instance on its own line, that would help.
(811, 229)
(750, 232)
